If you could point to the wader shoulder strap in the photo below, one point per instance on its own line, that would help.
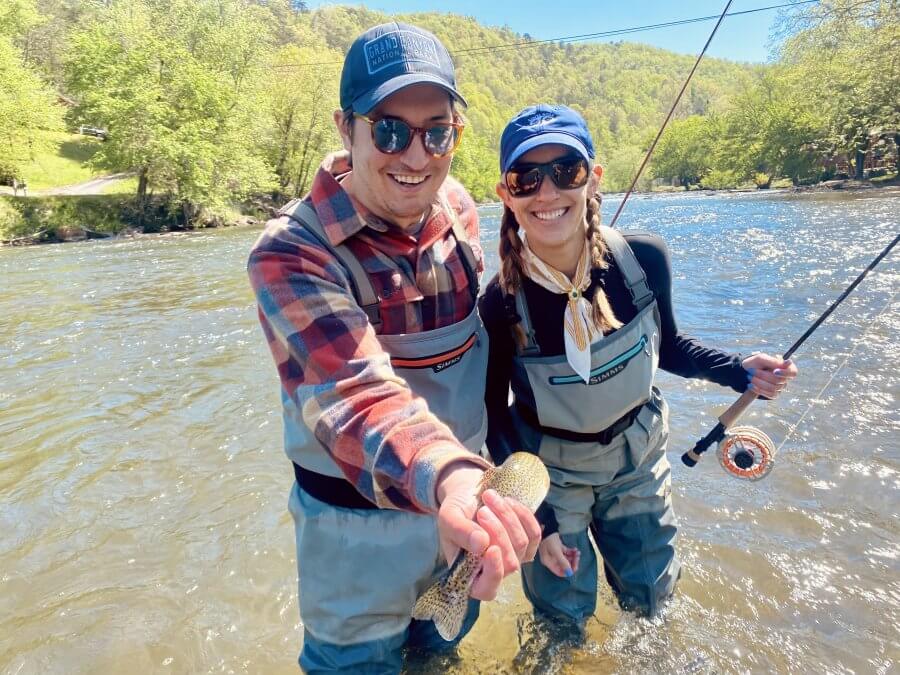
(362, 288)
(531, 346)
(631, 269)
(462, 244)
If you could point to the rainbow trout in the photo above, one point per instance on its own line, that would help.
(523, 477)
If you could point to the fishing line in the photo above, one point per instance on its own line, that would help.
(749, 454)
(816, 399)
(746, 452)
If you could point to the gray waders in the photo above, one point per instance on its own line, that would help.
(361, 570)
(617, 485)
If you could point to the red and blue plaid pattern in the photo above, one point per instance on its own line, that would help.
(329, 360)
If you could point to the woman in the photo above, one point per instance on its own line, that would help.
(579, 319)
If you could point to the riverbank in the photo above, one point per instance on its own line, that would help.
(841, 185)
(26, 221)
(786, 186)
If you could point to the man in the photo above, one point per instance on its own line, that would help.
(366, 292)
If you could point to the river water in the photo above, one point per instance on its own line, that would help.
(143, 488)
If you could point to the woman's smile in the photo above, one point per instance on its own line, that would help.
(550, 215)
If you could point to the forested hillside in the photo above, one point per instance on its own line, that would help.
(211, 101)
(623, 90)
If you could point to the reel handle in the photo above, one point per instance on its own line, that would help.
(726, 419)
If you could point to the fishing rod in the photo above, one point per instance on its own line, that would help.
(665, 123)
(747, 452)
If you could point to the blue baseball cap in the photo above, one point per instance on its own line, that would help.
(388, 58)
(544, 125)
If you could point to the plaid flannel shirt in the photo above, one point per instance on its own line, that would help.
(329, 360)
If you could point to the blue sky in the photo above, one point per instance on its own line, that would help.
(741, 38)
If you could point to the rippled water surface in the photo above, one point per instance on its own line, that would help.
(143, 488)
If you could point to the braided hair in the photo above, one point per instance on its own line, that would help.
(604, 317)
(511, 265)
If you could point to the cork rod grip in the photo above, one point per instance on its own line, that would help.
(730, 416)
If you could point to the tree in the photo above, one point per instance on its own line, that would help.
(179, 86)
(17, 17)
(770, 132)
(27, 104)
(620, 166)
(685, 151)
(844, 56)
(211, 100)
(43, 43)
(301, 107)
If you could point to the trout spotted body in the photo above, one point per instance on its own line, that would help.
(522, 477)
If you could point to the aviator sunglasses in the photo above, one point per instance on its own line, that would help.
(567, 173)
(392, 135)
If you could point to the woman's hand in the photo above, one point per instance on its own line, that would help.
(768, 375)
(557, 557)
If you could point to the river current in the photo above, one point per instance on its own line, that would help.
(143, 488)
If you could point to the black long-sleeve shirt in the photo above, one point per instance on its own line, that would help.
(679, 353)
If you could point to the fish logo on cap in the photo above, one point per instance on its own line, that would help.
(541, 117)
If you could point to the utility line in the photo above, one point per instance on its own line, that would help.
(623, 31)
(566, 39)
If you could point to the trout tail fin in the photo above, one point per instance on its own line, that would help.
(446, 608)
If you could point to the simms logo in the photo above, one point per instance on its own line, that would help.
(607, 374)
(608, 370)
(399, 46)
(438, 362)
(438, 367)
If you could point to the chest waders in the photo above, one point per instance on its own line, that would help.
(604, 444)
(361, 568)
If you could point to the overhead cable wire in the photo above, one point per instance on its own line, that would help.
(623, 31)
(567, 39)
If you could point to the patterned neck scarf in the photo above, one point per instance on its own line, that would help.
(579, 331)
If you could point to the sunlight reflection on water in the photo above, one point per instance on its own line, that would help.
(145, 489)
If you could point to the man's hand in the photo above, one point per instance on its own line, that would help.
(768, 375)
(503, 531)
(560, 559)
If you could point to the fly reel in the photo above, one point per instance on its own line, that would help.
(746, 453)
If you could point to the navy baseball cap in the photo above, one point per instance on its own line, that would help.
(544, 125)
(388, 58)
